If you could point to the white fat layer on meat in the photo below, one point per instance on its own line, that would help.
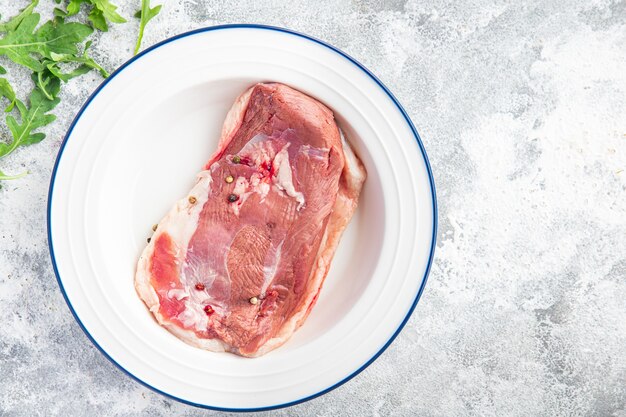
(181, 233)
(258, 149)
(178, 294)
(260, 187)
(193, 315)
(283, 179)
(259, 137)
(244, 188)
(357, 174)
(241, 186)
(272, 259)
(315, 153)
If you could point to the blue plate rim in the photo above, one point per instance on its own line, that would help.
(289, 32)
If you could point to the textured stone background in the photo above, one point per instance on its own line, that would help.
(522, 108)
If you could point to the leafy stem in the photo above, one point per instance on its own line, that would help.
(4, 176)
(145, 15)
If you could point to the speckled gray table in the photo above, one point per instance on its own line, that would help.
(522, 109)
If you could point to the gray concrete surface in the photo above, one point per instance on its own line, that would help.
(522, 108)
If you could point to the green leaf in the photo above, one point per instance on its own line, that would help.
(101, 12)
(97, 20)
(81, 69)
(6, 91)
(59, 12)
(74, 7)
(23, 44)
(17, 45)
(86, 64)
(147, 14)
(12, 24)
(61, 37)
(43, 81)
(4, 176)
(108, 10)
(34, 116)
(45, 99)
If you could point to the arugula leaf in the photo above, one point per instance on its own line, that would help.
(59, 12)
(108, 11)
(43, 81)
(86, 64)
(74, 6)
(102, 11)
(31, 118)
(145, 14)
(12, 24)
(97, 20)
(53, 36)
(6, 90)
(19, 44)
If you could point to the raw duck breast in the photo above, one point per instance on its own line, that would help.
(238, 264)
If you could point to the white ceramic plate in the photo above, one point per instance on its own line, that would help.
(135, 148)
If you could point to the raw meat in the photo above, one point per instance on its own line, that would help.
(238, 264)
